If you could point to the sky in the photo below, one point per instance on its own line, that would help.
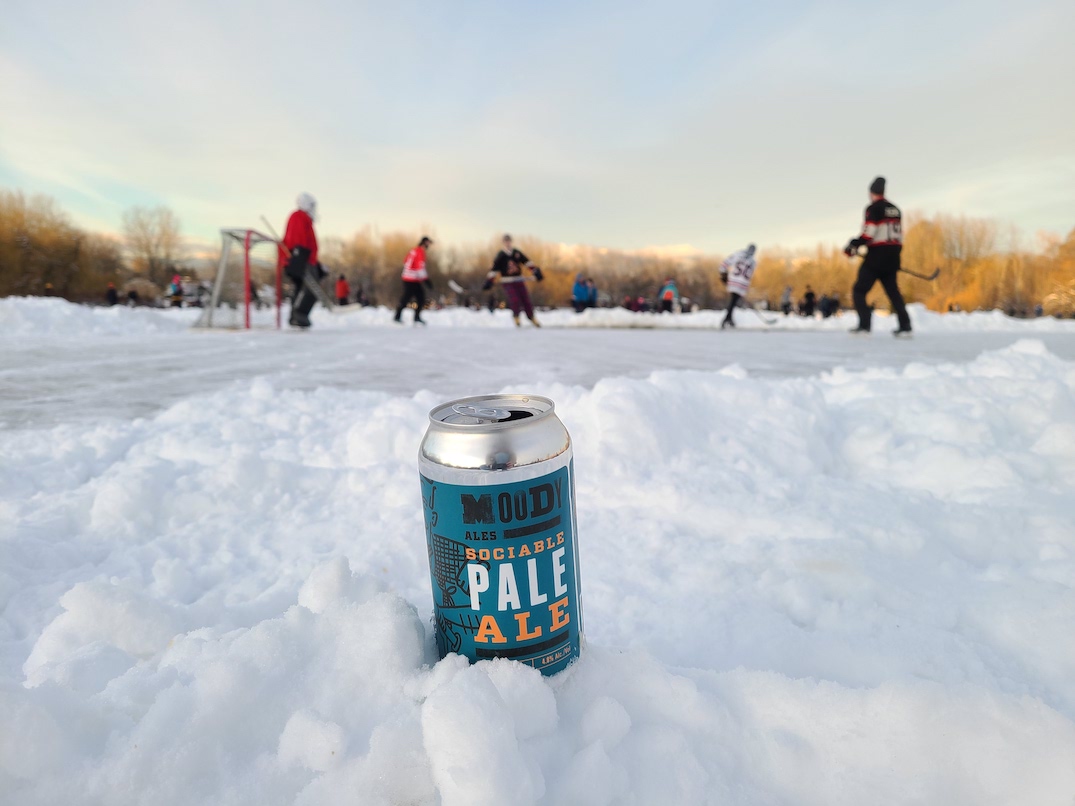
(673, 124)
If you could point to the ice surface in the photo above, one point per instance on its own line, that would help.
(806, 580)
(61, 365)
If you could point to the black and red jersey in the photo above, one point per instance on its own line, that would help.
(509, 264)
(883, 226)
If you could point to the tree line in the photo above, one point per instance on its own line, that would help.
(43, 254)
(982, 265)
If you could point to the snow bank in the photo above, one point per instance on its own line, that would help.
(923, 320)
(40, 317)
(50, 317)
(852, 588)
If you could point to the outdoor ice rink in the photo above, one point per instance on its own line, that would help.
(816, 569)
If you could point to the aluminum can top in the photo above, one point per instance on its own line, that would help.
(494, 432)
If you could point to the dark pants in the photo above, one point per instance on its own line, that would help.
(666, 306)
(580, 305)
(882, 264)
(518, 299)
(412, 291)
(301, 305)
(302, 299)
(786, 308)
(732, 302)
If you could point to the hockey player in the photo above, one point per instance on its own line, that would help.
(414, 276)
(668, 295)
(736, 272)
(300, 244)
(343, 291)
(508, 265)
(882, 235)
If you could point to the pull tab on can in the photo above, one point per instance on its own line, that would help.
(481, 413)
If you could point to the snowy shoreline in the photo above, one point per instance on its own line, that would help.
(45, 317)
(851, 586)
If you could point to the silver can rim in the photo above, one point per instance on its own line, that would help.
(491, 426)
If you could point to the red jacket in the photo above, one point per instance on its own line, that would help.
(343, 290)
(414, 267)
(300, 232)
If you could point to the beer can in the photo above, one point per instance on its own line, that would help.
(498, 493)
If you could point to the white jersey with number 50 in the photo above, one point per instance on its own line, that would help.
(740, 269)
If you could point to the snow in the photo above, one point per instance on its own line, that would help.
(36, 317)
(39, 317)
(815, 569)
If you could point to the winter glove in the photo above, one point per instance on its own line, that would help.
(487, 284)
(538, 275)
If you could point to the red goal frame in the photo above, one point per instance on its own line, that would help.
(247, 239)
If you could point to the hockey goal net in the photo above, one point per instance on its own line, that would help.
(247, 288)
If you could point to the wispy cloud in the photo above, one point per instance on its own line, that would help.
(699, 123)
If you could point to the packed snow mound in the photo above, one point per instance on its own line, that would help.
(923, 320)
(341, 705)
(57, 318)
(849, 588)
(43, 317)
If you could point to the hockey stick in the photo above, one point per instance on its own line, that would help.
(765, 319)
(929, 277)
(276, 238)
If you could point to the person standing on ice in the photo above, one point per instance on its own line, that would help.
(414, 277)
(580, 294)
(111, 295)
(882, 235)
(508, 266)
(300, 245)
(785, 301)
(668, 295)
(736, 272)
(343, 291)
(175, 291)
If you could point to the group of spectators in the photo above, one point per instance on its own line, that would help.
(809, 304)
(343, 293)
(583, 293)
(112, 296)
(667, 300)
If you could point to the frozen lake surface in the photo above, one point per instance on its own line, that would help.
(49, 380)
(815, 569)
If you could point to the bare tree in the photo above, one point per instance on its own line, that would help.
(154, 241)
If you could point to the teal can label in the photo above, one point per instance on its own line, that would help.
(504, 569)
